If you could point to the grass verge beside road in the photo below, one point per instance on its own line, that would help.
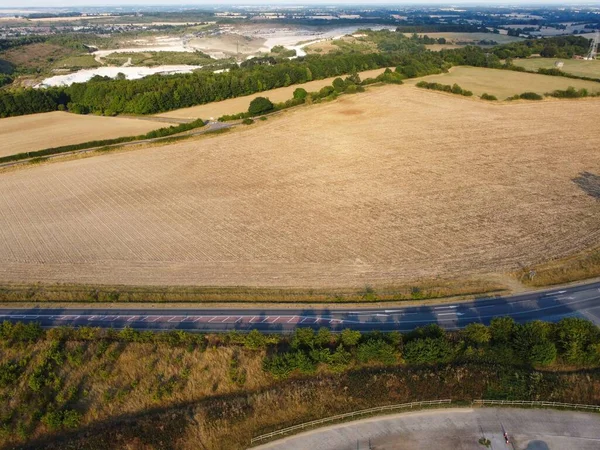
(575, 268)
(419, 290)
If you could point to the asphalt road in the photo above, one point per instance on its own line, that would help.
(577, 301)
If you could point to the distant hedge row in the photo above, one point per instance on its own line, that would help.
(161, 132)
(454, 89)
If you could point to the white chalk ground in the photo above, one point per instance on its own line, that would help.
(131, 73)
(292, 38)
(455, 429)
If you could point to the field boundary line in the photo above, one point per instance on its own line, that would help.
(362, 412)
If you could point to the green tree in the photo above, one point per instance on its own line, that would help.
(543, 353)
(350, 338)
(260, 105)
(323, 337)
(255, 340)
(300, 94)
(303, 338)
(477, 333)
(502, 329)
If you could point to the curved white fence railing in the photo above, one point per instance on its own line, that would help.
(537, 403)
(349, 415)
(413, 405)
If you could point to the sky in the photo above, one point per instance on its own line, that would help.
(73, 3)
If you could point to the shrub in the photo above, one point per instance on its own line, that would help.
(300, 94)
(489, 97)
(248, 121)
(477, 333)
(570, 92)
(530, 96)
(376, 350)
(350, 338)
(427, 351)
(260, 105)
(543, 353)
(255, 340)
(303, 338)
(502, 329)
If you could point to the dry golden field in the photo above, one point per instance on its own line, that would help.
(240, 104)
(377, 188)
(578, 67)
(504, 83)
(39, 131)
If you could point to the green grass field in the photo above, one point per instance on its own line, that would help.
(82, 61)
(577, 67)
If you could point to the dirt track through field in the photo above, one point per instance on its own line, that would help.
(377, 188)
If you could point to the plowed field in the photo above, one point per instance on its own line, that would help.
(377, 188)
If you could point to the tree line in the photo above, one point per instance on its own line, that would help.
(571, 341)
(159, 93)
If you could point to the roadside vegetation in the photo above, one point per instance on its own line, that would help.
(419, 290)
(578, 267)
(63, 385)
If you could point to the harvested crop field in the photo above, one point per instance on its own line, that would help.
(39, 131)
(377, 188)
(505, 83)
(577, 67)
(240, 104)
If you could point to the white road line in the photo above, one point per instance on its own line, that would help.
(197, 319)
(253, 317)
(446, 307)
(131, 318)
(265, 319)
(212, 319)
(293, 317)
(302, 321)
(239, 320)
(278, 317)
(225, 319)
(447, 314)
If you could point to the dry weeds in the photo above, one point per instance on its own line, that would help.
(416, 185)
(55, 129)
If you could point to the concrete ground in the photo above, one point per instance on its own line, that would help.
(455, 429)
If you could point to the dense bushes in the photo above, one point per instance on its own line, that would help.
(526, 96)
(573, 341)
(570, 92)
(489, 97)
(454, 89)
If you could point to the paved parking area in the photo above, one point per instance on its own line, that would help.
(456, 429)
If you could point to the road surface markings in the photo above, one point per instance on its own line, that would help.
(445, 307)
(225, 319)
